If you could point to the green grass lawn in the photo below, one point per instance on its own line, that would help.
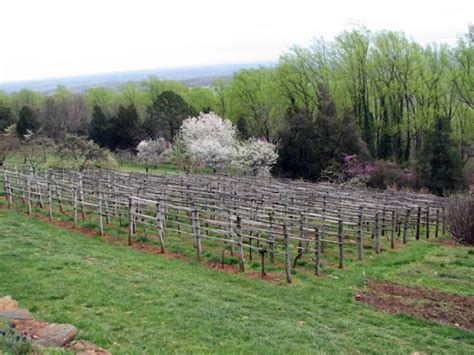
(129, 301)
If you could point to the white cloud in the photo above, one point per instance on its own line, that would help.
(62, 37)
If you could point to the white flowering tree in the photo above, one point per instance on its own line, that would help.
(257, 156)
(153, 151)
(210, 140)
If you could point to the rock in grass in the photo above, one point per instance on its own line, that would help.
(8, 304)
(44, 333)
(87, 348)
(17, 314)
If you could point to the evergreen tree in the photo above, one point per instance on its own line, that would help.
(242, 128)
(28, 120)
(385, 147)
(6, 116)
(100, 128)
(311, 144)
(167, 113)
(125, 133)
(441, 168)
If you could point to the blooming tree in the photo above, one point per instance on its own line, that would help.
(210, 140)
(257, 156)
(152, 152)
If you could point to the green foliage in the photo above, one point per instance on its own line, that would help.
(79, 152)
(125, 128)
(166, 115)
(316, 142)
(255, 99)
(100, 127)
(6, 114)
(441, 168)
(28, 121)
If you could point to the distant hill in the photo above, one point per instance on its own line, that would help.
(191, 76)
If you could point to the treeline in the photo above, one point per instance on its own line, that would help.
(375, 96)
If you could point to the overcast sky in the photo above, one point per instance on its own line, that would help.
(53, 38)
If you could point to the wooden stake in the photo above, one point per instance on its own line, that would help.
(418, 223)
(50, 202)
(360, 242)
(427, 222)
(130, 220)
(99, 212)
(287, 254)
(392, 236)
(437, 223)
(240, 245)
(405, 227)
(28, 195)
(340, 234)
(317, 253)
(377, 234)
(74, 206)
(159, 217)
(195, 222)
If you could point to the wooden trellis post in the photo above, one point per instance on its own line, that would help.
(340, 235)
(317, 253)
(74, 206)
(195, 226)
(383, 220)
(377, 233)
(437, 223)
(130, 220)
(50, 202)
(444, 220)
(99, 212)
(231, 232)
(28, 195)
(81, 196)
(392, 235)
(287, 253)
(323, 227)
(360, 242)
(405, 226)
(8, 192)
(427, 222)
(240, 244)
(418, 223)
(159, 217)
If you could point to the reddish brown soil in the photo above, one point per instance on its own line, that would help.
(452, 243)
(420, 301)
(269, 276)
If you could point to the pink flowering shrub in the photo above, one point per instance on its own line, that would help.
(380, 175)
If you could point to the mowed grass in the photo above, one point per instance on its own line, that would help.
(134, 302)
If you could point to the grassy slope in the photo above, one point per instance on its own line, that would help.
(133, 302)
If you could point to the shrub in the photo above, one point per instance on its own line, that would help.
(388, 174)
(460, 214)
(209, 140)
(257, 157)
(153, 151)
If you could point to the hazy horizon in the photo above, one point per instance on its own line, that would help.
(59, 39)
(142, 70)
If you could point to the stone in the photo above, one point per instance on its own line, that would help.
(8, 304)
(84, 347)
(19, 314)
(44, 333)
